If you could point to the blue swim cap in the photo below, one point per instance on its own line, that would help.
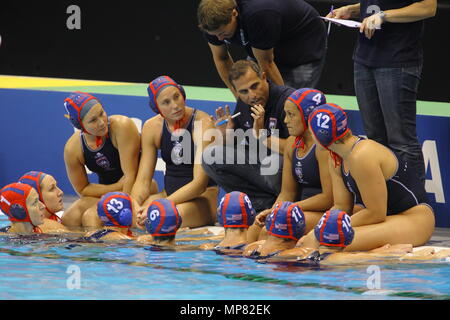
(286, 221)
(306, 99)
(115, 209)
(77, 105)
(235, 211)
(155, 87)
(334, 229)
(34, 179)
(163, 218)
(328, 123)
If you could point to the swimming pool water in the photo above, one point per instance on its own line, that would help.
(38, 269)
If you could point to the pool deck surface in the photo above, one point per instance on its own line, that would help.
(440, 238)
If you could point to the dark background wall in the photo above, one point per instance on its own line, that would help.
(134, 41)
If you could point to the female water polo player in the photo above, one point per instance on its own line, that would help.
(115, 210)
(390, 201)
(20, 202)
(305, 168)
(107, 146)
(50, 195)
(177, 130)
(236, 214)
(285, 226)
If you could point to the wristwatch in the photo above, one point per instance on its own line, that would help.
(382, 16)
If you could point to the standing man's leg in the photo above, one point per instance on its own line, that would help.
(398, 89)
(369, 104)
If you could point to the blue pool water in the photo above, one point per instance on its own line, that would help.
(38, 269)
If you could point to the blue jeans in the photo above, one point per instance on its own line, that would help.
(387, 101)
(303, 76)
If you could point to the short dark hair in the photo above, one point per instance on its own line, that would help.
(212, 14)
(240, 68)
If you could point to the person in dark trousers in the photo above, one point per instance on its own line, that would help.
(247, 157)
(388, 62)
(286, 38)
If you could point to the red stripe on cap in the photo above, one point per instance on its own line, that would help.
(162, 215)
(243, 209)
(341, 232)
(323, 226)
(272, 225)
(177, 216)
(299, 101)
(105, 202)
(224, 209)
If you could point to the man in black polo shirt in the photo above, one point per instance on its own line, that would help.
(247, 157)
(286, 38)
(388, 62)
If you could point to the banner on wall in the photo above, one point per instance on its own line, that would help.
(35, 131)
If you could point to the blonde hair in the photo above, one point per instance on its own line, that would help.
(212, 14)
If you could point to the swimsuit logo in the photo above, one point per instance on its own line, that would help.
(177, 153)
(247, 124)
(102, 161)
(299, 171)
(272, 124)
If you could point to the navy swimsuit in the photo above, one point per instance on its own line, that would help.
(404, 187)
(306, 172)
(179, 166)
(105, 161)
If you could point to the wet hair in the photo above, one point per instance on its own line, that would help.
(241, 67)
(163, 238)
(213, 14)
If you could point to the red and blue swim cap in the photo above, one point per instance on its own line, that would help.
(286, 221)
(328, 123)
(235, 211)
(115, 209)
(34, 179)
(77, 105)
(306, 99)
(155, 87)
(163, 218)
(334, 229)
(13, 201)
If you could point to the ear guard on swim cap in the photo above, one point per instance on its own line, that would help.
(34, 179)
(235, 211)
(156, 86)
(286, 221)
(77, 105)
(334, 229)
(115, 209)
(13, 199)
(306, 99)
(163, 218)
(328, 123)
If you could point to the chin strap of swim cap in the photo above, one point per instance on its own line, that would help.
(299, 143)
